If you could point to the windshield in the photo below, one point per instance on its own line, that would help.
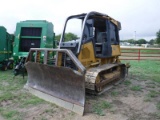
(73, 30)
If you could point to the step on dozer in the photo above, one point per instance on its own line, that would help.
(84, 62)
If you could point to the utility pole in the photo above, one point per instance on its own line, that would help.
(135, 35)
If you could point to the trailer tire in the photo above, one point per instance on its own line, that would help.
(10, 65)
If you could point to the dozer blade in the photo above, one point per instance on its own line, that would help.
(59, 85)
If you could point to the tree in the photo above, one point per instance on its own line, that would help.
(57, 37)
(131, 41)
(68, 37)
(141, 41)
(158, 37)
(152, 42)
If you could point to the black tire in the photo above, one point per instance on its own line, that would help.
(10, 65)
(16, 72)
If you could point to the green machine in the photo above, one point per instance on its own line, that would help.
(31, 34)
(6, 40)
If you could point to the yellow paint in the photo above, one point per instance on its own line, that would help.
(116, 50)
(59, 59)
(87, 56)
(88, 59)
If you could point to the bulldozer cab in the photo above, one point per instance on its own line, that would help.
(97, 28)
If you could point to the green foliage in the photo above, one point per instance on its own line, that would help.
(158, 106)
(49, 111)
(136, 88)
(68, 37)
(150, 95)
(157, 115)
(141, 41)
(153, 94)
(57, 37)
(146, 69)
(152, 42)
(158, 37)
(132, 41)
(100, 106)
(9, 114)
(6, 96)
(33, 101)
(127, 82)
(12, 94)
(114, 93)
(43, 118)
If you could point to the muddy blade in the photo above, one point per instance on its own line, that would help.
(58, 85)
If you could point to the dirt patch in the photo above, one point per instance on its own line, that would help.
(126, 105)
(1, 118)
(5, 103)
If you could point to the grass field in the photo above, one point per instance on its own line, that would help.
(145, 69)
(142, 87)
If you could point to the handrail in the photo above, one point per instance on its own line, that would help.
(47, 50)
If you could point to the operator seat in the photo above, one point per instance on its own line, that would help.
(102, 37)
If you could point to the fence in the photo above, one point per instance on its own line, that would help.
(140, 54)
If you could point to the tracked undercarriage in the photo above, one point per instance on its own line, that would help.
(99, 79)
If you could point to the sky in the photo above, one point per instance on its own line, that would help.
(140, 19)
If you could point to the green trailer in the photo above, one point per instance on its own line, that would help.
(31, 34)
(6, 40)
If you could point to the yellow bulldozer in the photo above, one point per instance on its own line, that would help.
(86, 63)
